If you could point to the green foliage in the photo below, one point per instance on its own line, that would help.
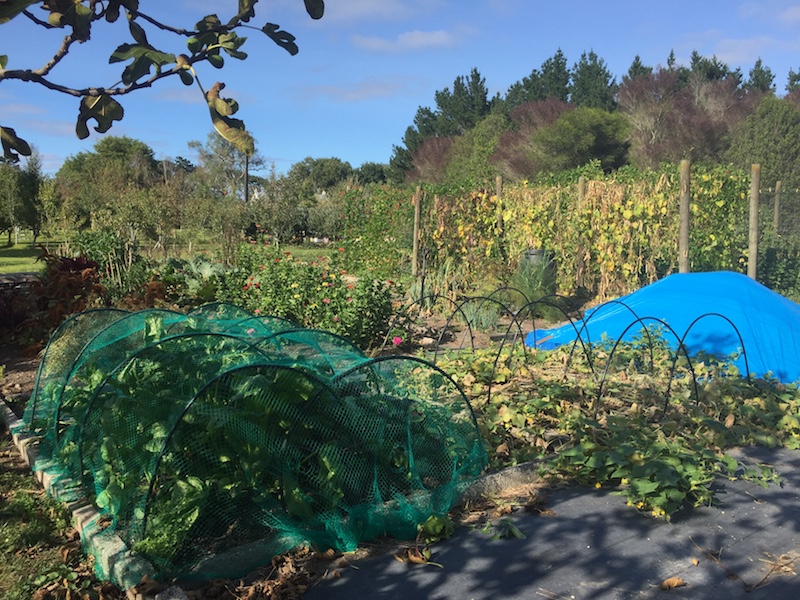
(317, 294)
(770, 136)
(377, 229)
(552, 81)
(147, 65)
(579, 136)
(592, 84)
(658, 463)
(470, 153)
(123, 271)
(465, 239)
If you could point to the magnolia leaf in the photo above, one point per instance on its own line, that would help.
(103, 109)
(13, 146)
(11, 8)
(216, 60)
(3, 61)
(315, 8)
(284, 39)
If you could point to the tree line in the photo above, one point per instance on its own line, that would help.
(121, 186)
(559, 118)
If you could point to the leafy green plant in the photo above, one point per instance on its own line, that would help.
(622, 440)
(317, 294)
(123, 271)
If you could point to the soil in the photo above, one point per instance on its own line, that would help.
(20, 375)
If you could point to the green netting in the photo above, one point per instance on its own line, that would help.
(211, 441)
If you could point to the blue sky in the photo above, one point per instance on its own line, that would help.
(366, 67)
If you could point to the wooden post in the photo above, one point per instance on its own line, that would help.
(776, 211)
(579, 265)
(752, 252)
(683, 235)
(415, 246)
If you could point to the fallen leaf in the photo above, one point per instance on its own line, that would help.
(729, 420)
(672, 583)
(695, 562)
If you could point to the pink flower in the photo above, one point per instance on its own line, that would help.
(257, 311)
(397, 340)
(335, 319)
(326, 300)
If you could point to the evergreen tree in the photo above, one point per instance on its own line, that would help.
(637, 69)
(550, 81)
(793, 81)
(592, 85)
(760, 79)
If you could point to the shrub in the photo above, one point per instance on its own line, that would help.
(315, 294)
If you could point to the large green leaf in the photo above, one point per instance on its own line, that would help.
(284, 39)
(315, 8)
(143, 57)
(13, 146)
(113, 8)
(11, 8)
(69, 13)
(103, 109)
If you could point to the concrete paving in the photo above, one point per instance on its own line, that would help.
(592, 546)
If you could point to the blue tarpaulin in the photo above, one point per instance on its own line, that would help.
(769, 324)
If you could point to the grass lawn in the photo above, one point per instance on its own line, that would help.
(20, 258)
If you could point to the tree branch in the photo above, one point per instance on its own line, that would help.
(92, 91)
(37, 20)
(60, 53)
(162, 26)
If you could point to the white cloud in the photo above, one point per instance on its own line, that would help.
(374, 10)
(54, 128)
(790, 15)
(407, 42)
(21, 109)
(743, 52)
(355, 92)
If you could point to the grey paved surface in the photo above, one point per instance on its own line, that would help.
(594, 547)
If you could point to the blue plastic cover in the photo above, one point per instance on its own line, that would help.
(769, 324)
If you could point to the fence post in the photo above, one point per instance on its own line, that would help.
(579, 266)
(776, 211)
(752, 252)
(415, 243)
(683, 235)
